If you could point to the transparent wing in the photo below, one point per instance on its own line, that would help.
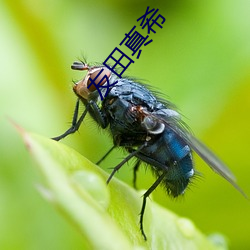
(208, 156)
(175, 124)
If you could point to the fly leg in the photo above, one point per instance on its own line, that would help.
(93, 109)
(116, 168)
(75, 124)
(105, 155)
(97, 114)
(145, 196)
(136, 167)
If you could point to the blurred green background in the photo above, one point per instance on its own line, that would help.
(200, 60)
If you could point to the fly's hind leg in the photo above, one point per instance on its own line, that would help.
(145, 196)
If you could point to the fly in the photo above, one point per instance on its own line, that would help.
(149, 128)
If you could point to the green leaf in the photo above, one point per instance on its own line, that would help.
(106, 215)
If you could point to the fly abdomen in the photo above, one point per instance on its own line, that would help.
(177, 147)
(178, 176)
(180, 166)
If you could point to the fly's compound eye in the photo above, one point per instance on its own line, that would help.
(97, 77)
(153, 126)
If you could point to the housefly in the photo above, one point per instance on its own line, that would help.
(149, 128)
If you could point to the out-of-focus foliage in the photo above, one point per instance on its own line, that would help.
(200, 59)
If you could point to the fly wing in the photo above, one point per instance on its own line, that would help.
(210, 158)
(174, 123)
(207, 155)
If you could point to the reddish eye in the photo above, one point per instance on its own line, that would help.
(99, 77)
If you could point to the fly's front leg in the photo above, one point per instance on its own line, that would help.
(95, 112)
(75, 123)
